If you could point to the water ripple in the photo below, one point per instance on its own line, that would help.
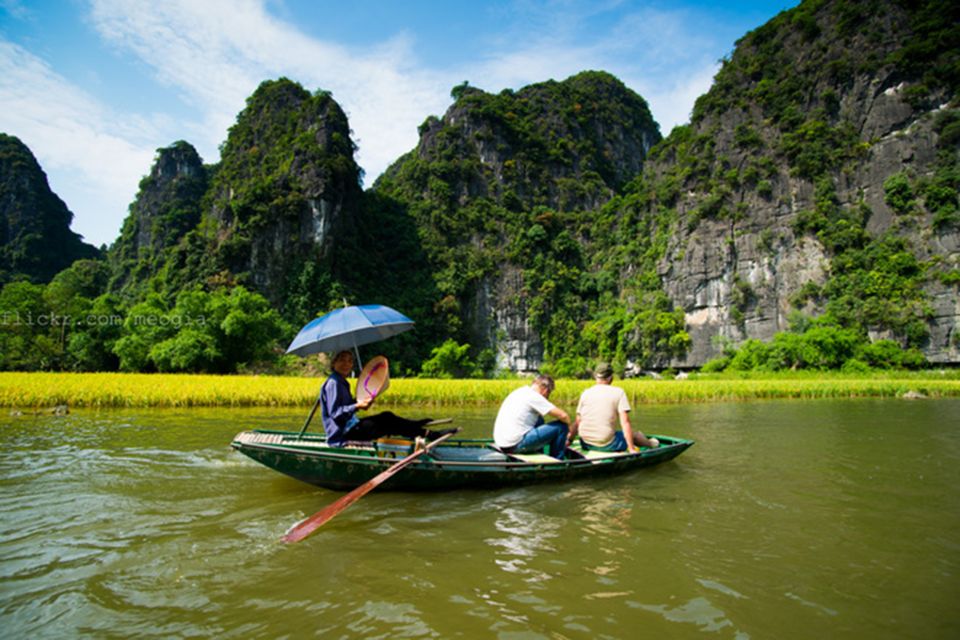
(786, 520)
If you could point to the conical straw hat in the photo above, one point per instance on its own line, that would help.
(374, 379)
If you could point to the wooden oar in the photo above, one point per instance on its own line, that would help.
(306, 527)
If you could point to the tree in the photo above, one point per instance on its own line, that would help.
(203, 332)
(27, 328)
(457, 92)
(450, 360)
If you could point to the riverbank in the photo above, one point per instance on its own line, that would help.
(31, 391)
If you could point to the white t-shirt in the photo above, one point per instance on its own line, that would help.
(599, 410)
(518, 414)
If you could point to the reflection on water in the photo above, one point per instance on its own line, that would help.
(698, 611)
(786, 520)
(524, 534)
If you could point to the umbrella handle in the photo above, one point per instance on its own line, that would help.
(359, 362)
(355, 349)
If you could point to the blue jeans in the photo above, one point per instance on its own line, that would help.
(619, 443)
(552, 433)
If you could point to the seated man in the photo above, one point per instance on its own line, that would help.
(597, 412)
(340, 420)
(519, 427)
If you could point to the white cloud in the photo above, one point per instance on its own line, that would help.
(212, 55)
(662, 55)
(216, 53)
(88, 152)
(672, 103)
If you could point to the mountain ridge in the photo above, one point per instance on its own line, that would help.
(810, 206)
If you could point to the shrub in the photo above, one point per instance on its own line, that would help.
(751, 355)
(855, 366)
(898, 193)
(716, 365)
(450, 360)
(569, 367)
(883, 354)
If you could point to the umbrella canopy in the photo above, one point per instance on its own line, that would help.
(349, 328)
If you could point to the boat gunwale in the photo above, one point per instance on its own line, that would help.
(368, 456)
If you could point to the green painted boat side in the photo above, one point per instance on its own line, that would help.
(456, 464)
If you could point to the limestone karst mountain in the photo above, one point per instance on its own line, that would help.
(815, 186)
(36, 242)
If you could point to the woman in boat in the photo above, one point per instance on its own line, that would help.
(598, 411)
(339, 412)
(520, 427)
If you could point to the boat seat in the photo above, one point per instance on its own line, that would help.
(258, 437)
(536, 458)
(468, 454)
(366, 445)
(594, 454)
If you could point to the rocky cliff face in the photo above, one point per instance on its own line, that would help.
(567, 145)
(273, 215)
(286, 188)
(818, 178)
(35, 237)
(167, 206)
(838, 80)
(498, 167)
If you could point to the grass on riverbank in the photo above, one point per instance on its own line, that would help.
(38, 390)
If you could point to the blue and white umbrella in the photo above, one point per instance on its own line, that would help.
(348, 328)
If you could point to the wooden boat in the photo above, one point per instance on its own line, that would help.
(453, 464)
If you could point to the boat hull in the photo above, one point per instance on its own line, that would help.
(456, 464)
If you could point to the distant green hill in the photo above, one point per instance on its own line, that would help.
(36, 242)
(518, 201)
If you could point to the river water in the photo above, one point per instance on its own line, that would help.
(832, 519)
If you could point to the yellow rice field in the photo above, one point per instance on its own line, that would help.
(76, 390)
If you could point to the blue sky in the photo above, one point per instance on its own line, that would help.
(95, 87)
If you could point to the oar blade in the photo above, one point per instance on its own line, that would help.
(306, 527)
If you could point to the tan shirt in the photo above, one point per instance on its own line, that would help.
(599, 409)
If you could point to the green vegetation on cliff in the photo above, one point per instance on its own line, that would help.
(167, 207)
(545, 227)
(523, 199)
(802, 101)
(171, 296)
(36, 242)
(276, 205)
